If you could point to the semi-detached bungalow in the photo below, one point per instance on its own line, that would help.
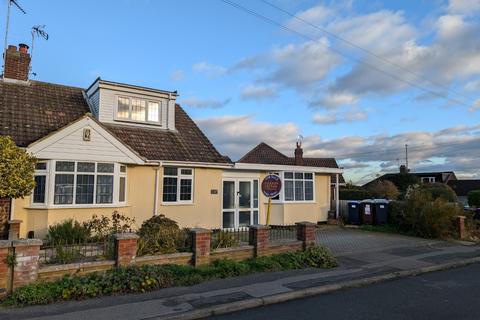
(132, 149)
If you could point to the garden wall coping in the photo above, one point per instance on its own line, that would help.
(74, 266)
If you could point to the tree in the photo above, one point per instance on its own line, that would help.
(439, 191)
(404, 180)
(474, 198)
(17, 169)
(384, 189)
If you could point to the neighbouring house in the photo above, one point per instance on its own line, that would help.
(424, 177)
(463, 187)
(116, 146)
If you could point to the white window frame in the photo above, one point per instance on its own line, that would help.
(45, 173)
(179, 177)
(298, 201)
(428, 179)
(236, 206)
(129, 119)
(50, 186)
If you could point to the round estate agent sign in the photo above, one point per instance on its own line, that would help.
(271, 185)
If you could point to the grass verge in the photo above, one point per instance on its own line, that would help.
(151, 277)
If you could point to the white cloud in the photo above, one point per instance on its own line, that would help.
(329, 118)
(213, 103)
(211, 70)
(334, 117)
(475, 106)
(257, 92)
(463, 6)
(317, 15)
(334, 100)
(177, 75)
(473, 85)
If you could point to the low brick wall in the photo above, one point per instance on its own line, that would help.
(283, 247)
(235, 253)
(182, 258)
(50, 273)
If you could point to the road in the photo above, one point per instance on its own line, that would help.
(452, 294)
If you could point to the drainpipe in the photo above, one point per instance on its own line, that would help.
(155, 196)
(337, 196)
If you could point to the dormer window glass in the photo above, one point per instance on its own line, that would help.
(138, 110)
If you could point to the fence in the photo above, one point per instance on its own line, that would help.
(82, 251)
(282, 232)
(226, 238)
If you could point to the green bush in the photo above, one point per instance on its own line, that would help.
(152, 277)
(102, 228)
(474, 198)
(383, 189)
(355, 194)
(422, 215)
(439, 191)
(224, 239)
(160, 234)
(68, 231)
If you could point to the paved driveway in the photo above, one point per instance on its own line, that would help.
(342, 241)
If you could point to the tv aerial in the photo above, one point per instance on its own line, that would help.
(9, 5)
(37, 32)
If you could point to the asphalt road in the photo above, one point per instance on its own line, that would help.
(452, 294)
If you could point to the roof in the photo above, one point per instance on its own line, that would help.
(463, 187)
(31, 110)
(440, 176)
(188, 143)
(265, 154)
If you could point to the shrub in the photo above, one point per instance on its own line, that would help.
(224, 239)
(424, 216)
(68, 231)
(152, 277)
(160, 234)
(355, 194)
(474, 198)
(383, 189)
(439, 191)
(102, 228)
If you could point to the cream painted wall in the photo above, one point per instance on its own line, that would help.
(206, 208)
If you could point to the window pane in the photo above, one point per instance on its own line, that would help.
(288, 175)
(255, 193)
(299, 192)
(63, 189)
(84, 188)
(153, 111)
(104, 189)
(123, 169)
(65, 166)
(228, 217)
(39, 191)
(255, 217)
(86, 167)
(41, 166)
(122, 189)
(243, 218)
(169, 171)
(186, 172)
(122, 109)
(245, 196)
(169, 189)
(105, 167)
(308, 190)
(185, 189)
(289, 191)
(138, 109)
(228, 194)
(298, 175)
(308, 176)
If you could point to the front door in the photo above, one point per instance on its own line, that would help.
(240, 203)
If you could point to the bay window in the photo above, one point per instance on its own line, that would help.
(39, 191)
(298, 186)
(177, 185)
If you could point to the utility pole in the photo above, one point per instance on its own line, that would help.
(406, 156)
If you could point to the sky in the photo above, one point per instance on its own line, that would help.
(357, 79)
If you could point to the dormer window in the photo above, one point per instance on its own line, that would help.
(138, 110)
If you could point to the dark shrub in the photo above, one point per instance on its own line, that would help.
(474, 198)
(160, 234)
(383, 189)
(102, 228)
(68, 231)
(439, 191)
(355, 194)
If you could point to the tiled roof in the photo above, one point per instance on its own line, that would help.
(30, 111)
(265, 154)
(463, 187)
(187, 144)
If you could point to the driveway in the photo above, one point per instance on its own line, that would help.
(344, 241)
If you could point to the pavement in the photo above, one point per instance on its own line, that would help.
(364, 258)
(443, 295)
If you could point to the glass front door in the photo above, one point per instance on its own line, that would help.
(240, 203)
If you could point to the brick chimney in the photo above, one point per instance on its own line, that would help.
(17, 63)
(299, 154)
(403, 169)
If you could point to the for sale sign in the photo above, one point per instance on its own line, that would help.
(271, 185)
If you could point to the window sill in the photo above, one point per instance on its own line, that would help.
(291, 202)
(75, 206)
(177, 203)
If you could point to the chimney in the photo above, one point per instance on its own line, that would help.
(17, 63)
(299, 155)
(403, 169)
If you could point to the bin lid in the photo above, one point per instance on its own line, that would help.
(385, 201)
(353, 202)
(367, 201)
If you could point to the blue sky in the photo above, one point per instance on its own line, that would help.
(245, 80)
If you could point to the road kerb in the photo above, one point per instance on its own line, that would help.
(309, 292)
